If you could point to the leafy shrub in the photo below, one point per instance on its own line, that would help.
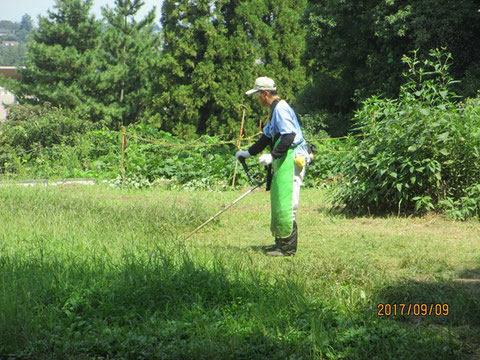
(465, 207)
(206, 167)
(31, 126)
(33, 130)
(328, 163)
(313, 125)
(152, 156)
(168, 157)
(417, 150)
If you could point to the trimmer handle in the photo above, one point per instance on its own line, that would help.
(245, 167)
(247, 171)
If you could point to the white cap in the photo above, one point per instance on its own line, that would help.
(261, 84)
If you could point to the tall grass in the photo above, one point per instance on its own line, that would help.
(97, 274)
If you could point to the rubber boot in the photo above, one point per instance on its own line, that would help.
(284, 246)
(289, 244)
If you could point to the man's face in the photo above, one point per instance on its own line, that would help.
(262, 98)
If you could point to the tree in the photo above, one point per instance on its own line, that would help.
(213, 51)
(8, 26)
(9, 30)
(129, 49)
(26, 26)
(354, 48)
(13, 55)
(60, 56)
(271, 33)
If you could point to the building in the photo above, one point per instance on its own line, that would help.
(10, 72)
(6, 97)
(10, 43)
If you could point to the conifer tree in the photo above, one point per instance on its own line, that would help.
(129, 50)
(26, 26)
(214, 50)
(60, 56)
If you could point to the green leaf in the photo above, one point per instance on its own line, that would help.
(444, 136)
(418, 204)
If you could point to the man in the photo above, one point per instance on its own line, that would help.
(288, 158)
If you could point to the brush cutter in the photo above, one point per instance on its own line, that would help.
(257, 185)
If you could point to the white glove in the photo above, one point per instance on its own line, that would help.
(265, 159)
(242, 153)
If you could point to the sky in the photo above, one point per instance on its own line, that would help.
(13, 10)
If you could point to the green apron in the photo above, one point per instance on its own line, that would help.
(281, 194)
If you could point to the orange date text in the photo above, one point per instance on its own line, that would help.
(416, 309)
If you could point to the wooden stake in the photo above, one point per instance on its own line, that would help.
(124, 142)
(239, 143)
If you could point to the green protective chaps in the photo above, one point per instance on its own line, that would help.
(281, 195)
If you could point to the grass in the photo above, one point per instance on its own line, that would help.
(96, 273)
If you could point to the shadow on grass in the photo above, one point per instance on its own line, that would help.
(470, 279)
(165, 307)
(218, 249)
(453, 306)
(463, 304)
(329, 209)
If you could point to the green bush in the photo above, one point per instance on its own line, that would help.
(33, 126)
(465, 207)
(417, 150)
(328, 164)
(209, 166)
(205, 163)
(43, 142)
(313, 125)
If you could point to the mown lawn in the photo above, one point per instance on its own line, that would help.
(96, 273)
